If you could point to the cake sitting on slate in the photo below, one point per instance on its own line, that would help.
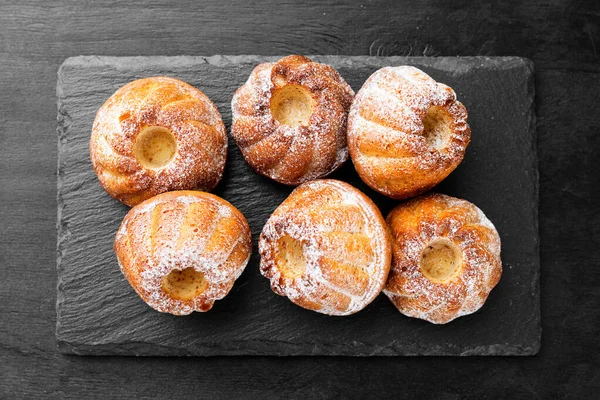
(446, 258)
(327, 248)
(406, 132)
(182, 250)
(155, 135)
(289, 119)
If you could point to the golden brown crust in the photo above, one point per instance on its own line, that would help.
(392, 143)
(190, 116)
(418, 223)
(292, 154)
(178, 230)
(327, 248)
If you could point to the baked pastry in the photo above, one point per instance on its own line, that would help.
(406, 132)
(182, 250)
(326, 248)
(155, 135)
(289, 119)
(446, 258)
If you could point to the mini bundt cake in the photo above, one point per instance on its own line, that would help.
(289, 119)
(446, 258)
(155, 135)
(406, 132)
(182, 250)
(326, 248)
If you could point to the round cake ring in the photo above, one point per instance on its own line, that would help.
(289, 119)
(154, 135)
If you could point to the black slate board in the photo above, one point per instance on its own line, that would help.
(99, 314)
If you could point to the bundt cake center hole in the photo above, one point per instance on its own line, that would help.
(437, 127)
(290, 257)
(440, 261)
(155, 147)
(292, 105)
(184, 284)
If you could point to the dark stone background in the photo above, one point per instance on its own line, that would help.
(562, 39)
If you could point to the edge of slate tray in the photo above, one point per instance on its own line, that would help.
(71, 346)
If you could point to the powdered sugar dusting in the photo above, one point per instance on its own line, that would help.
(421, 221)
(398, 99)
(308, 213)
(220, 252)
(292, 155)
(194, 121)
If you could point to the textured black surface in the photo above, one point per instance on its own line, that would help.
(561, 37)
(98, 313)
